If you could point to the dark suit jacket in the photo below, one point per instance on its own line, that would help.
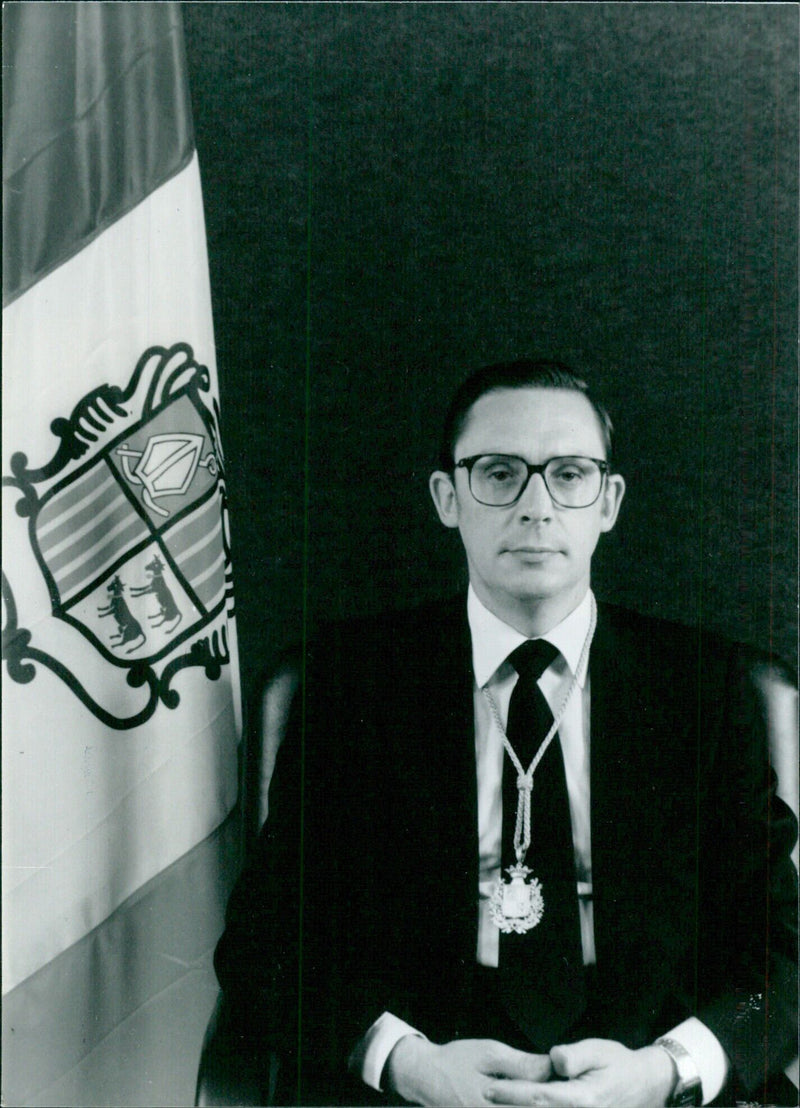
(361, 896)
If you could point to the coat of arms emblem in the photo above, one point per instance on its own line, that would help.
(128, 525)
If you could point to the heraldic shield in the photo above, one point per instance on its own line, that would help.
(128, 524)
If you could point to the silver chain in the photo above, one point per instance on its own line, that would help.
(522, 828)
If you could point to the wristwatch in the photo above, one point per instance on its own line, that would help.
(688, 1088)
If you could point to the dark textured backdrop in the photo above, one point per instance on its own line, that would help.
(396, 194)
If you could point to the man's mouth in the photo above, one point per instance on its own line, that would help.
(532, 550)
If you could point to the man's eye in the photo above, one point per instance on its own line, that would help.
(499, 476)
(569, 476)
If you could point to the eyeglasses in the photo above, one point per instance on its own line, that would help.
(499, 480)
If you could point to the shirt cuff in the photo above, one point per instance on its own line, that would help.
(706, 1052)
(370, 1053)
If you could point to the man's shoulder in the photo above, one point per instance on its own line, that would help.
(407, 620)
(421, 631)
(388, 661)
(653, 638)
(633, 624)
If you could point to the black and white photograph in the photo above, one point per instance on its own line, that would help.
(400, 553)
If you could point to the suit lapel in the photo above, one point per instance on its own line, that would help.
(458, 825)
(436, 730)
(619, 792)
(636, 867)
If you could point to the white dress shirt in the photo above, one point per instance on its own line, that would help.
(492, 642)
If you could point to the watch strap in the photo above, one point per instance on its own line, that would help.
(688, 1089)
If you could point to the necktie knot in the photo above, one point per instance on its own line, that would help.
(532, 658)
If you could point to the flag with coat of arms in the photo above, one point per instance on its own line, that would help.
(121, 709)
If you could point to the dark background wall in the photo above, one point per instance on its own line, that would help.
(397, 194)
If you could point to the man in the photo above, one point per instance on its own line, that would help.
(641, 952)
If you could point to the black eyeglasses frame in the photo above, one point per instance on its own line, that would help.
(468, 463)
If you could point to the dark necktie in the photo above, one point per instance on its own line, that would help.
(541, 971)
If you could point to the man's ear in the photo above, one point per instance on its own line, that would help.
(611, 499)
(444, 497)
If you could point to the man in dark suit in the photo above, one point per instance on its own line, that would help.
(641, 950)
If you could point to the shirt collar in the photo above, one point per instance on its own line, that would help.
(493, 640)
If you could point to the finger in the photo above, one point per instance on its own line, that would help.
(505, 1061)
(555, 1094)
(507, 1092)
(573, 1059)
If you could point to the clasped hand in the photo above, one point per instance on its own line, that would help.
(592, 1073)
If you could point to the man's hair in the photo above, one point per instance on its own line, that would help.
(520, 374)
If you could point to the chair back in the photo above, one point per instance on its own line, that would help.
(264, 738)
(779, 701)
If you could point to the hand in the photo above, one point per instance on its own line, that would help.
(459, 1072)
(599, 1073)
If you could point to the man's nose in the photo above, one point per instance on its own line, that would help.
(535, 502)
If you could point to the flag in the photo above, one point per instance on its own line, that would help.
(120, 681)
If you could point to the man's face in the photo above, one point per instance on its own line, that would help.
(529, 562)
